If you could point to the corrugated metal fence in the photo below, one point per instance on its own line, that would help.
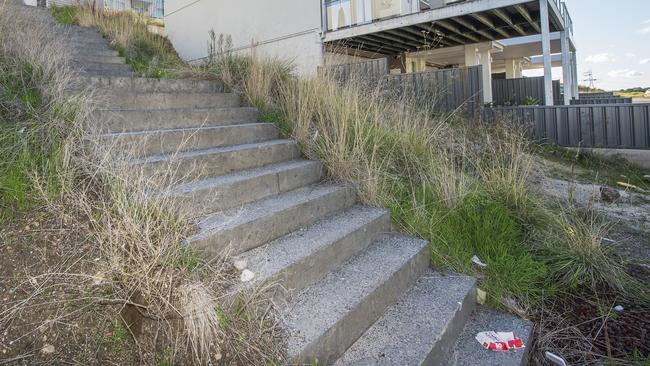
(522, 91)
(611, 100)
(447, 89)
(620, 126)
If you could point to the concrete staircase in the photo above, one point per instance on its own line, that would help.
(357, 293)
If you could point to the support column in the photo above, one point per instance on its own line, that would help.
(546, 50)
(566, 67)
(513, 68)
(576, 80)
(471, 55)
(486, 63)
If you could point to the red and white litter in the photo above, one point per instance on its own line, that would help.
(500, 341)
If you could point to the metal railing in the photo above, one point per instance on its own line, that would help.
(339, 14)
(149, 8)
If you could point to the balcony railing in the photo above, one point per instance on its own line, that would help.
(339, 14)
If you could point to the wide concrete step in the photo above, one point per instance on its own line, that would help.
(135, 100)
(103, 52)
(421, 328)
(170, 141)
(303, 257)
(243, 228)
(101, 66)
(152, 85)
(467, 351)
(241, 187)
(97, 59)
(326, 318)
(192, 165)
(86, 42)
(91, 72)
(111, 120)
(75, 48)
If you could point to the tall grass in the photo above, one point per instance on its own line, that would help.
(462, 185)
(149, 54)
(138, 270)
(38, 122)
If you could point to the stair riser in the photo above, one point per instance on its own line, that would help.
(144, 85)
(195, 139)
(171, 100)
(442, 348)
(87, 43)
(260, 231)
(101, 66)
(307, 272)
(333, 343)
(89, 72)
(141, 120)
(104, 52)
(239, 193)
(92, 59)
(220, 164)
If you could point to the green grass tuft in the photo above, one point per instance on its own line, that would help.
(65, 14)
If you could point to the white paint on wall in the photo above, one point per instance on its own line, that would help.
(286, 29)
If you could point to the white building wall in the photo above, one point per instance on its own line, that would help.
(287, 29)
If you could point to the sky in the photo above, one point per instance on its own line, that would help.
(613, 41)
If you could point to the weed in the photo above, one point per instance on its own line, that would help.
(65, 14)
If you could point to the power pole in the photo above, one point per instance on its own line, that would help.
(589, 78)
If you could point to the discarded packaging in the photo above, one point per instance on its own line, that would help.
(476, 260)
(246, 275)
(499, 341)
(481, 296)
(555, 359)
(619, 308)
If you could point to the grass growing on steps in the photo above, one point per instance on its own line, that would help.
(86, 245)
(149, 54)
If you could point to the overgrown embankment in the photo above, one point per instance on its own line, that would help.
(149, 54)
(92, 269)
(465, 187)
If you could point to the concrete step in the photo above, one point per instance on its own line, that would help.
(326, 318)
(467, 351)
(97, 59)
(101, 66)
(303, 257)
(107, 52)
(151, 85)
(243, 228)
(241, 187)
(192, 165)
(170, 141)
(135, 100)
(421, 327)
(90, 72)
(142, 119)
(74, 49)
(86, 42)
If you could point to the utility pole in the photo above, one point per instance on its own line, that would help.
(589, 78)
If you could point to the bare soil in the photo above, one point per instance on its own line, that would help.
(53, 308)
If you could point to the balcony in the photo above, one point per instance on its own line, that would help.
(397, 26)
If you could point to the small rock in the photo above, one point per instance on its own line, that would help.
(619, 308)
(217, 356)
(48, 349)
(609, 194)
(247, 275)
(240, 265)
(481, 296)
